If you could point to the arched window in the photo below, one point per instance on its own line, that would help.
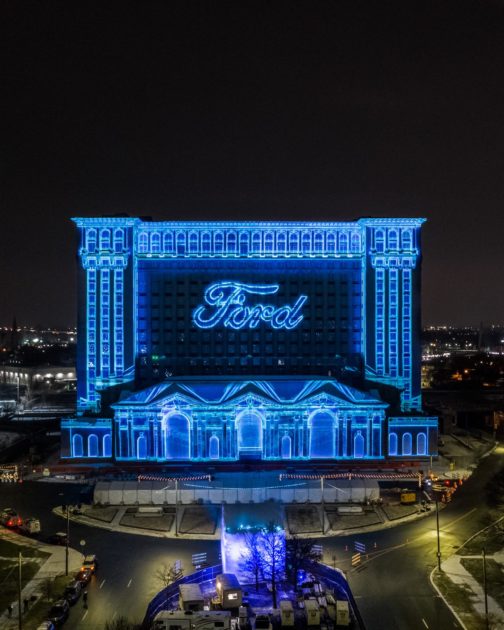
(268, 242)
(392, 444)
(141, 446)
(244, 244)
(118, 240)
(105, 239)
(306, 242)
(421, 444)
(281, 243)
(250, 433)
(206, 243)
(143, 243)
(293, 243)
(407, 240)
(393, 240)
(91, 240)
(231, 243)
(286, 447)
(181, 244)
(318, 242)
(321, 425)
(406, 444)
(177, 437)
(355, 243)
(92, 445)
(155, 242)
(358, 445)
(193, 242)
(331, 243)
(168, 242)
(343, 242)
(218, 243)
(107, 445)
(380, 241)
(213, 447)
(256, 242)
(77, 446)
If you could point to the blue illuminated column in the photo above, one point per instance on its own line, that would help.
(105, 309)
(393, 305)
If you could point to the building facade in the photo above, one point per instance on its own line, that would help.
(227, 341)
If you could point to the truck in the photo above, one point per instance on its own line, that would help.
(190, 597)
(312, 611)
(189, 620)
(286, 613)
(342, 613)
(229, 592)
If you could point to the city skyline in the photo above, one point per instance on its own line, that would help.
(229, 113)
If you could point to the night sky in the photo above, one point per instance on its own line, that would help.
(253, 110)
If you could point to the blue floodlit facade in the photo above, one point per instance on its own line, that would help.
(229, 341)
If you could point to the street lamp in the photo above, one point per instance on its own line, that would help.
(438, 541)
(67, 544)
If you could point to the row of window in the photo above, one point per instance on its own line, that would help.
(244, 243)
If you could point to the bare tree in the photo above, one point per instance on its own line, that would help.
(297, 552)
(121, 623)
(273, 547)
(168, 573)
(252, 557)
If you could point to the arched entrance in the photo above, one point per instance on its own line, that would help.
(249, 428)
(177, 440)
(321, 425)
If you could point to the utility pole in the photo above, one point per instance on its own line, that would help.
(176, 507)
(485, 588)
(20, 610)
(438, 541)
(67, 537)
(322, 502)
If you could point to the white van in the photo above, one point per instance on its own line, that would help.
(286, 613)
(312, 611)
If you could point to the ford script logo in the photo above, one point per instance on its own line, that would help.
(226, 305)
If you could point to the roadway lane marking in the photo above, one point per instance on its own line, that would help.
(129, 583)
(84, 615)
(101, 585)
(459, 518)
(424, 623)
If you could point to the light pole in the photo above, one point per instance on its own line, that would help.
(485, 587)
(20, 610)
(438, 541)
(322, 502)
(176, 507)
(67, 537)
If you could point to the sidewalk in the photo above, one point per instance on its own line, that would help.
(53, 566)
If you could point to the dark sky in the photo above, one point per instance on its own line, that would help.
(267, 110)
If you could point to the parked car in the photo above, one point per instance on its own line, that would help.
(90, 562)
(59, 538)
(59, 612)
(46, 625)
(73, 592)
(84, 575)
(30, 526)
(10, 518)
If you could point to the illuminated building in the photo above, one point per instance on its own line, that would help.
(234, 340)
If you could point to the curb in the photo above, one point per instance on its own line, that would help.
(447, 604)
(123, 529)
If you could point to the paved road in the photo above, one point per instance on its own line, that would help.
(392, 589)
(126, 581)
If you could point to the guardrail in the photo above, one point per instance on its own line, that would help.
(167, 599)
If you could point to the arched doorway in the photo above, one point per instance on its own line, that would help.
(177, 439)
(321, 425)
(250, 435)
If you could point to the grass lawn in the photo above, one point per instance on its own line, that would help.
(39, 610)
(495, 576)
(11, 550)
(459, 597)
(9, 577)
